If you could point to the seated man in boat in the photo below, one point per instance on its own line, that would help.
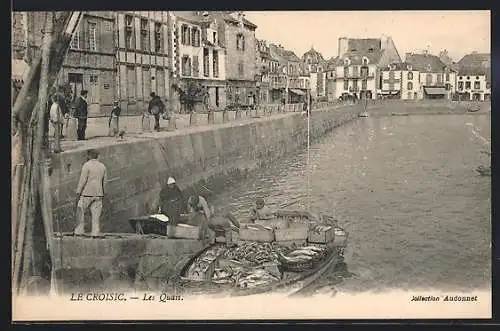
(260, 211)
(171, 201)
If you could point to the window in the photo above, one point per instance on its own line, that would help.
(240, 42)
(468, 77)
(216, 64)
(92, 36)
(184, 34)
(75, 41)
(144, 35)
(214, 34)
(460, 85)
(410, 75)
(428, 79)
(365, 61)
(488, 85)
(447, 86)
(467, 85)
(355, 84)
(346, 84)
(129, 32)
(93, 79)
(477, 85)
(477, 77)
(186, 66)
(195, 37)
(346, 62)
(355, 71)
(240, 69)
(196, 66)
(364, 71)
(447, 76)
(460, 77)
(158, 38)
(346, 71)
(439, 79)
(410, 86)
(206, 63)
(364, 84)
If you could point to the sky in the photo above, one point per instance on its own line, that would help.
(459, 32)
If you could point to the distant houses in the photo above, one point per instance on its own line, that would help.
(124, 56)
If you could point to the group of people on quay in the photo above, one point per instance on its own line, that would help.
(194, 211)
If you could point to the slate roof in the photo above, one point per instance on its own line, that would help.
(422, 62)
(475, 64)
(363, 45)
(397, 66)
(316, 56)
(356, 58)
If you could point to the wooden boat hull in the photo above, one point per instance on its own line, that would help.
(296, 282)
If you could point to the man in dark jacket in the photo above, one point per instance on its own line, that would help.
(171, 201)
(156, 108)
(81, 113)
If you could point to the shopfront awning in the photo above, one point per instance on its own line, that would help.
(298, 92)
(434, 90)
(20, 70)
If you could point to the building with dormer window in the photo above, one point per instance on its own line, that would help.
(474, 77)
(436, 80)
(359, 64)
(316, 66)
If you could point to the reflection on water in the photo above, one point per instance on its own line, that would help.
(405, 189)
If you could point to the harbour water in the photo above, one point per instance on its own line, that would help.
(404, 187)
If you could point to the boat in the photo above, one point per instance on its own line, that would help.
(363, 114)
(222, 271)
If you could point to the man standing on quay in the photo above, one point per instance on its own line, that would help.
(81, 113)
(90, 193)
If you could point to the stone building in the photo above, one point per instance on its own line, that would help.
(90, 63)
(359, 65)
(316, 66)
(198, 55)
(142, 58)
(435, 79)
(474, 77)
(392, 81)
(237, 37)
(263, 63)
(330, 74)
(290, 82)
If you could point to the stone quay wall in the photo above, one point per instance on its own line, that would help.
(199, 157)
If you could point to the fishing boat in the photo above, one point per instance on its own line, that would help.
(265, 266)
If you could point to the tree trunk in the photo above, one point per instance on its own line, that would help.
(30, 207)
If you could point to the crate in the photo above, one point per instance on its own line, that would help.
(322, 235)
(275, 223)
(340, 237)
(183, 231)
(257, 234)
(234, 237)
(297, 233)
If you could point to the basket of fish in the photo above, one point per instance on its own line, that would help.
(340, 237)
(303, 258)
(252, 253)
(256, 278)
